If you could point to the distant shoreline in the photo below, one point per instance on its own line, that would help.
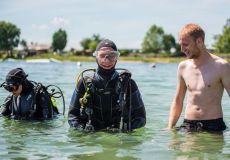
(92, 59)
(143, 58)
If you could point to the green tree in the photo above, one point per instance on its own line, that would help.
(9, 37)
(153, 41)
(91, 43)
(222, 44)
(178, 51)
(24, 44)
(169, 43)
(85, 43)
(59, 40)
(126, 52)
(95, 40)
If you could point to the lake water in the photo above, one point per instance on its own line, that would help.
(55, 140)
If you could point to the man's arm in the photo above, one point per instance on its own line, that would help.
(177, 103)
(225, 76)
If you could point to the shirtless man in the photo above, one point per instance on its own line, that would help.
(204, 76)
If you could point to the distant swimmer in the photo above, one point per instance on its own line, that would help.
(153, 65)
(204, 76)
(79, 64)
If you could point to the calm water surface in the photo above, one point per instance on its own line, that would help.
(55, 140)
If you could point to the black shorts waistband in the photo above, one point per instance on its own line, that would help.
(208, 125)
(204, 121)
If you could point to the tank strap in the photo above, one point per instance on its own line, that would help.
(36, 90)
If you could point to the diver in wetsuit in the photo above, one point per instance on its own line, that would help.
(107, 99)
(29, 100)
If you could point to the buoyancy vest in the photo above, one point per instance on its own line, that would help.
(26, 106)
(106, 111)
(105, 99)
(22, 106)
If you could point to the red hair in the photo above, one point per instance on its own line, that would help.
(194, 30)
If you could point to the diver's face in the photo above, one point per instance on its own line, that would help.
(107, 57)
(17, 90)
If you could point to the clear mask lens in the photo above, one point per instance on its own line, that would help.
(110, 55)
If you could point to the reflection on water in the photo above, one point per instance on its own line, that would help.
(104, 144)
(197, 145)
(55, 140)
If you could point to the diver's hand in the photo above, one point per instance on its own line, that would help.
(138, 123)
(76, 125)
(89, 128)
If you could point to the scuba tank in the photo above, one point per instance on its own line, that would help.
(54, 92)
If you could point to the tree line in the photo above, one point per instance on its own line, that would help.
(155, 41)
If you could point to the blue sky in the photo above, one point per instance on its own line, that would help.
(123, 21)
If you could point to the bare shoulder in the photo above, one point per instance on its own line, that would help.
(222, 64)
(219, 60)
(182, 65)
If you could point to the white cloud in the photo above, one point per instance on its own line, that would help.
(123, 21)
(40, 27)
(60, 21)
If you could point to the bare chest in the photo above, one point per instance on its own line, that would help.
(201, 79)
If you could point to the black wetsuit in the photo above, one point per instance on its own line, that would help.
(106, 110)
(33, 103)
(203, 125)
